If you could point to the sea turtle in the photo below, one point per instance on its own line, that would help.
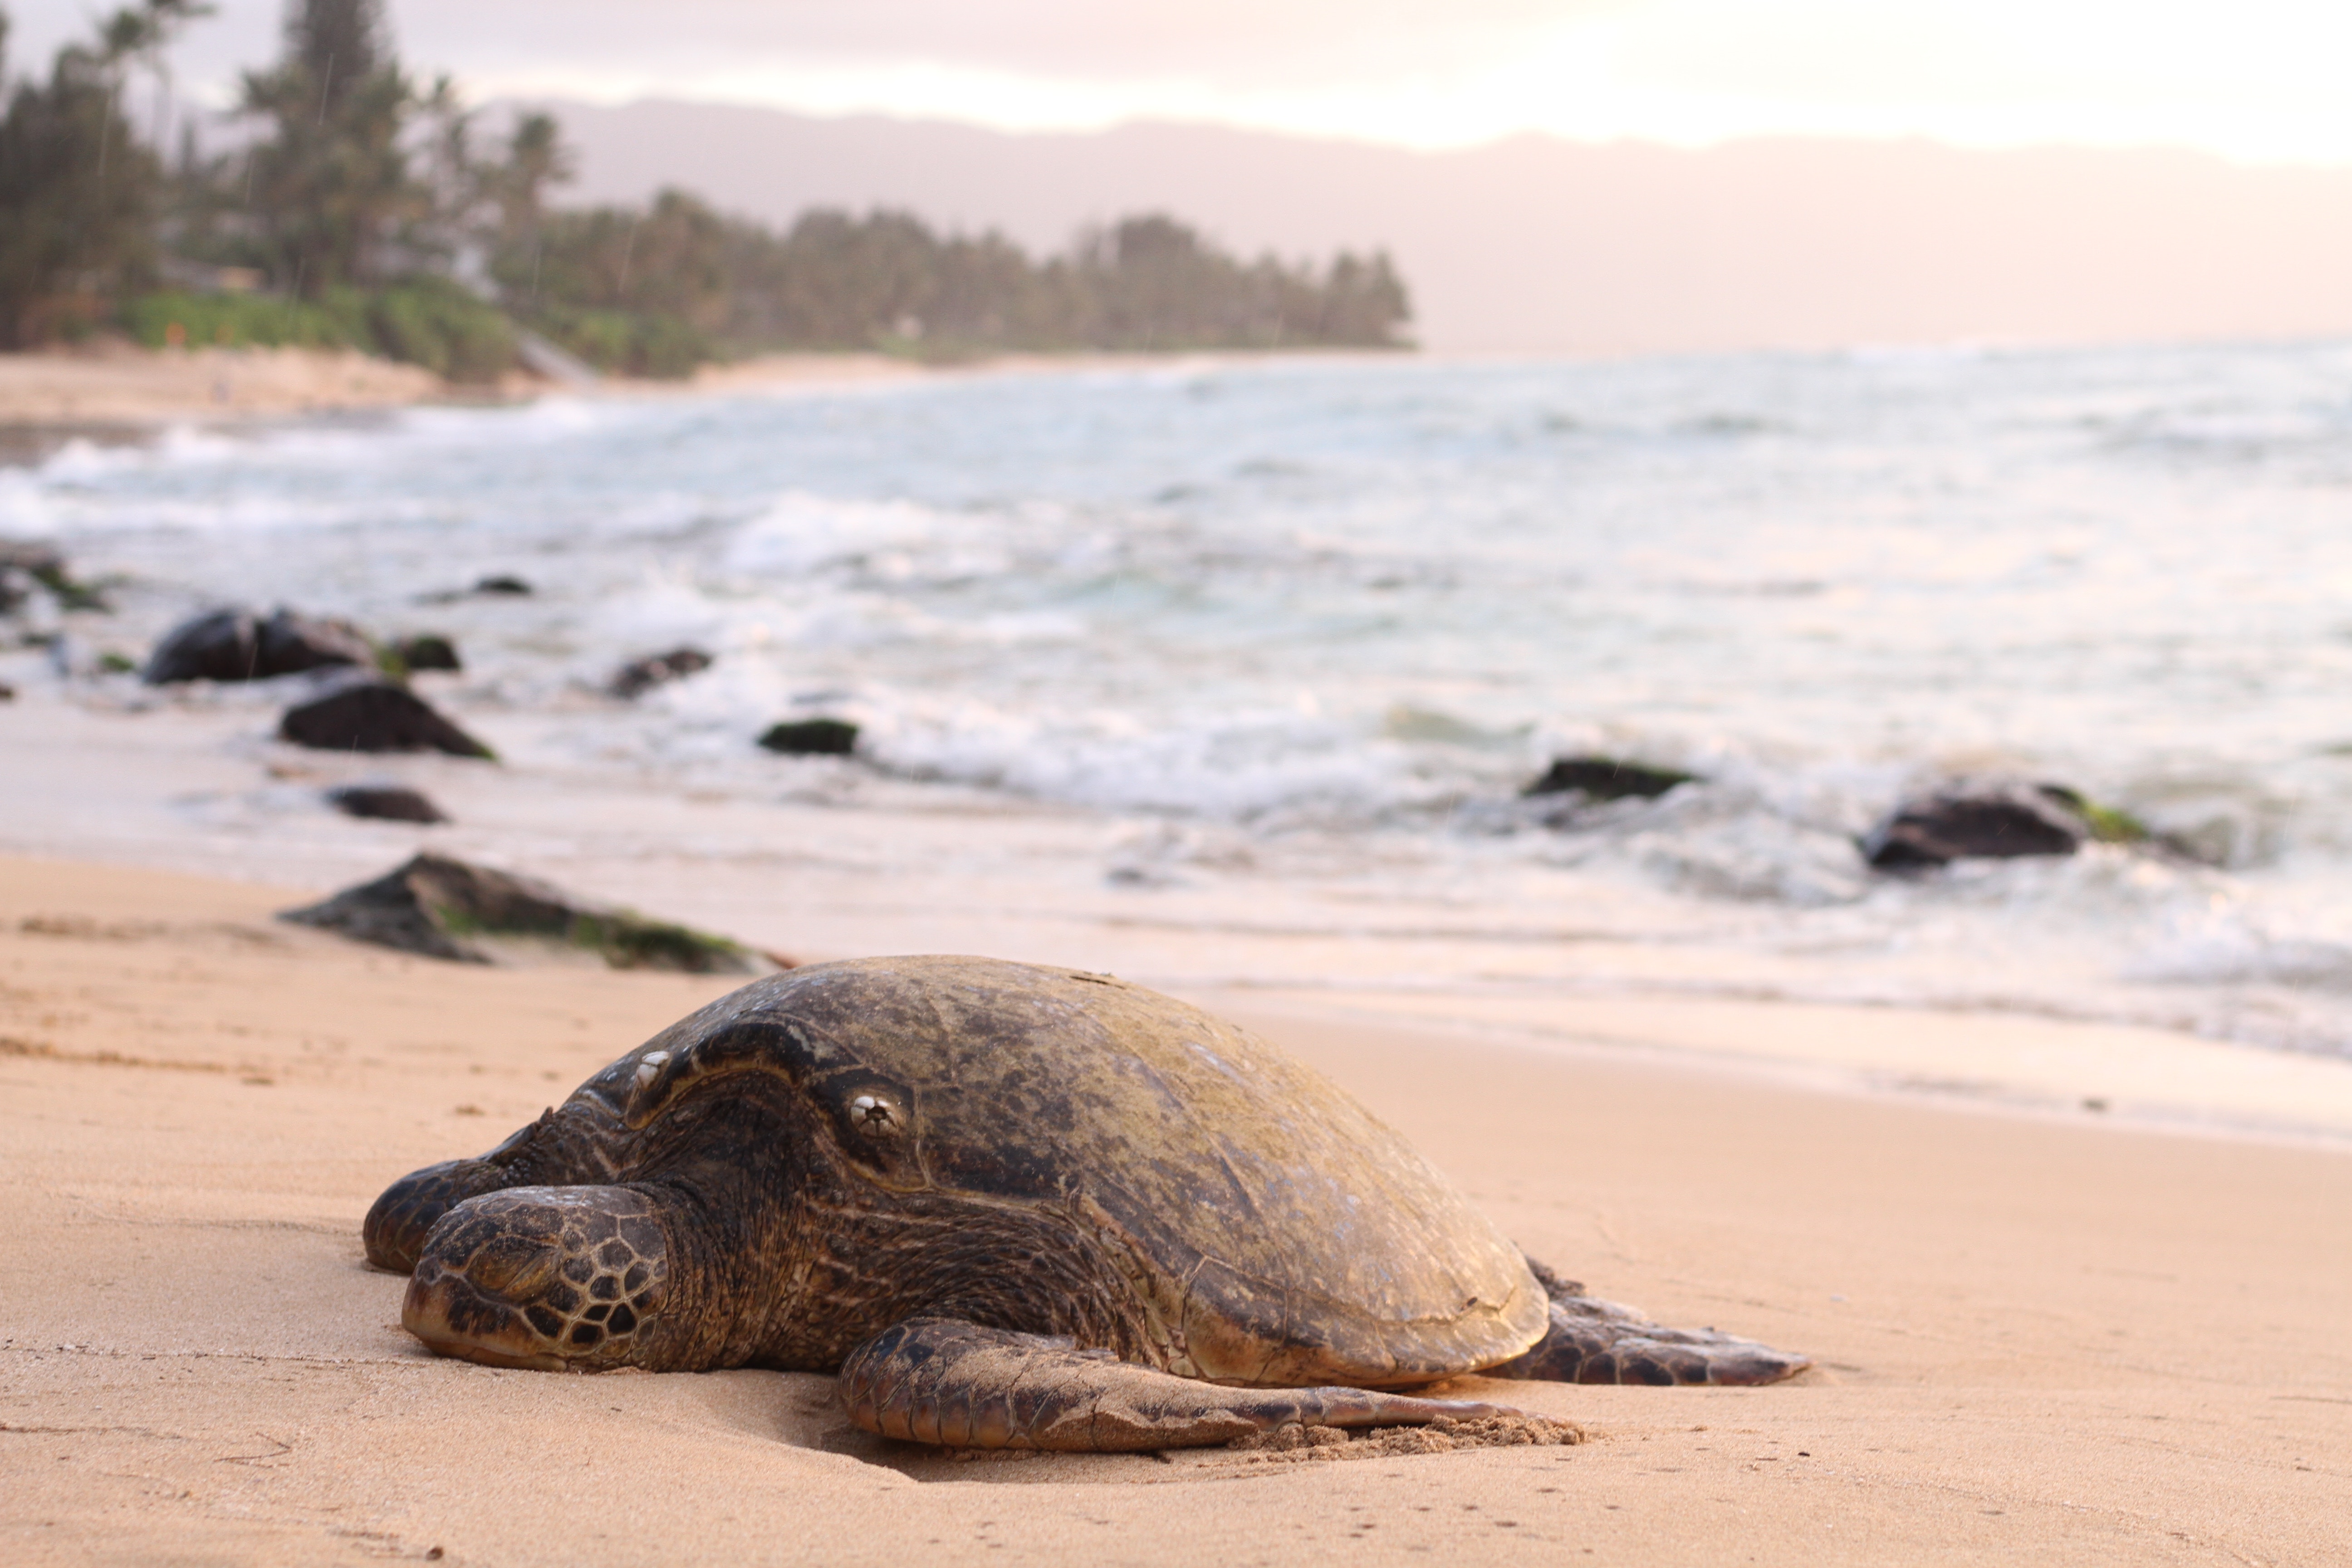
(1015, 1207)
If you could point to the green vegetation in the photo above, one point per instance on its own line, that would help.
(234, 321)
(655, 292)
(362, 216)
(80, 197)
(434, 322)
(47, 568)
(427, 320)
(624, 939)
(2110, 825)
(627, 940)
(625, 341)
(2107, 824)
(329, 194)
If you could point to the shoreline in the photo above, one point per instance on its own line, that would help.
(2023, 1066)
(133, 390)
(2067, 1284)
(119, 394)
(2033, 1338)
(195, 785)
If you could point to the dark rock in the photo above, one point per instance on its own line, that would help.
(646, 674)
(1993, 822)
(231, 645)
(1606, 778)
(291, 644)
(7, 692)
(376, 716)
(220, 645)
(446, 908)
(500, 586)
(428, 650)
(21, 566)
(386, 802)
(35, 561)
(812, 738)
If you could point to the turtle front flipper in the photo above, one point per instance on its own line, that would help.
(573, 1146)
(1592, 1341)
(939, 1379)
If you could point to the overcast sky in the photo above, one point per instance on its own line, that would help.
(2257, 80)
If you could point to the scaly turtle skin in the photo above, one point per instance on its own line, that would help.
(1013, 1207)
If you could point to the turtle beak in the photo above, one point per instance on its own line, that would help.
(552, 1277)
(454, 1318)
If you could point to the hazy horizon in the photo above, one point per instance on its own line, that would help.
(1417, 73)
(1540, 244)
(1550, 175)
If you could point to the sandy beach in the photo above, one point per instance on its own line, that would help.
(2040, 1338)
(1288, 796)
(121, 387)
(2070, 1255)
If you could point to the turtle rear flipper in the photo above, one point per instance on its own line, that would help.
(938, 1380)
(1593, 1341)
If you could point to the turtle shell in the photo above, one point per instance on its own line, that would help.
(1276, 1233)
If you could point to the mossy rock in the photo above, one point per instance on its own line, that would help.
(43, 564)
(1996, 821)
(2108, 825)
(404, 657)
(450, 909)
(1607, 778)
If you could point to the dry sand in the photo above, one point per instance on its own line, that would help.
(2040, 1340)
(121, 386)
(118, 385)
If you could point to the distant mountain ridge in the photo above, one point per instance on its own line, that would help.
(1538, 245)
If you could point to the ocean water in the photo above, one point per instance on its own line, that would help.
(1306, 627)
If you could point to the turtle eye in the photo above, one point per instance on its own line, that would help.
(876, 1117)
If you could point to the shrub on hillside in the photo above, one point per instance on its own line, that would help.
(436, 323)
(627, 342)
(174, 320)
(426, 321)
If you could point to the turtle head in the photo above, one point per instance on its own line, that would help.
(568, 1145)
(554, 1278)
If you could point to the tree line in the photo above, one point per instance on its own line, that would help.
(365, 208)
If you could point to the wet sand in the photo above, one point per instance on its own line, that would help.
(2043, 1337)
